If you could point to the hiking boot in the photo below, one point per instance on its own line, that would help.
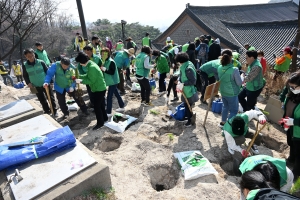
(188, 124)
(254, 149)
(148, 104)
(120, 110)
(175, 99)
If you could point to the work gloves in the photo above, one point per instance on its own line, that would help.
(262, 119)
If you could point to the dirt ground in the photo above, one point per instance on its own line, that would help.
(141, 160)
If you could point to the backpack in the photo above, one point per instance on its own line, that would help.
(202, 50)
(273, 194)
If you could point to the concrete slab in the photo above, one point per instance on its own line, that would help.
(96, 175)
(21, 115)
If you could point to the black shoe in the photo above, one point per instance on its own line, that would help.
(202, 101)
(91, 105)
(254, 149)
(188, 124)
(86, 113)
(97, 127)
(175, 99)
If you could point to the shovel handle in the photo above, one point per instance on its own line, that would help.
(187, 102)
(256, 134)
(49, 99)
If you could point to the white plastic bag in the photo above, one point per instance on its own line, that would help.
(120, 126)
(135, 87)
(73, 107)
(194, 164)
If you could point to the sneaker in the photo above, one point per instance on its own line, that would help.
(148, 104)
(109, 115)
(188, 124)
(97, 127)
(175, 99)
(221, 124)
(120, 110)
(185, 119)
(254, 149)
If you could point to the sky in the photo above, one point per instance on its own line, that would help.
(157, 13)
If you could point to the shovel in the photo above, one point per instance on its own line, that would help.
(255, 135)
(193, 118)
(49, 99)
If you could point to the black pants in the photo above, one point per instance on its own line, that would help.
(145, 89)
(128, 74)
(205, 82)
(172, 86)
(99, 106)
(19, 78)
(42, 97)
(121, 84)
(61, 98)
(296, 169)
(161, 82)
(251, 98)
(91, 94)
(188, 113)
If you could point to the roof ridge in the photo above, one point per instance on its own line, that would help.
(257, 22)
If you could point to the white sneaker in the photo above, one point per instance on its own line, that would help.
(109, 115)
(120, 110)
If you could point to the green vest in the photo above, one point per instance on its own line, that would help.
(36, 73)
(43, 56)
(227, 126)
(162, 64)
(228, 87)
(190, 90)
(139, 63)
(258, 82)
(284, 66)
(251, 48)
(96, 59)
(119, 59)
(236, 63)
(171, 51)
(296, 116)
(185, 47)
(111, 79)
(210, 67)
(251, 195)
(146, 41)
(94, 77)
(63, 78)
(119, 46)
(251, 162)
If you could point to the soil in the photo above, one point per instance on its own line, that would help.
(141, 160)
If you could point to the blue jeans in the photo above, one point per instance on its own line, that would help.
(5, 77)
(230, 104)
(201, 61)
(111, 91)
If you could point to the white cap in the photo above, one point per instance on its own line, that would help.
(176, 50)
(168, 39)
(106, 38)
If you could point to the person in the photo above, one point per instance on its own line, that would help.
(83, 70)
(262, 60)
(209, 40)
(169, 42)
(202, 53)
(94, 78)
(146, 41)
(76, 46)
(163, 68)
(64, 73)
(119, 45)
(108, 43)
(172, 85)
(283, 63)
(191, 49)
(131, 44)
(248, 47)
(230, 82)
(185, 47)
(4, 74)
(96, 43)
(171, 54)
(34, 73)
(186, 84)
(273, 169)
(17, 71)
(122, 60)
(197, 41)
(87, 42)
(292, 112)
(214, 50)
(40, 53)
(236, 131)
(112, 79)
(81, 43)
(143, 66)
(209, 75)
(254, 82)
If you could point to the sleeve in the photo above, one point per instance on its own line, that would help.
(289, 181)
(25, 75)
(111, 69)
(252, 74)
(147, 63)
(253, 114)
(191, 77)
(44, 67)
(79, 67)
(280, 60)
(231, 143)
(50, 73)
(237, 77)
(90, 77)
(283, 94)
(36, 56)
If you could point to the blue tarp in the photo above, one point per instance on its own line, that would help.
(55, 141)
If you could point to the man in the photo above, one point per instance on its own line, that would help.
(64, 73)
(202, 54)
(214, 50)
(96, 43)
(248, 47)
(17, 71)
(254, 82)
(83, 70)
(122, 60)
(236, 131)
(4, 74)
(163, 68)
(34, 73)
(40, 53)
(131, 44)
(146, 41)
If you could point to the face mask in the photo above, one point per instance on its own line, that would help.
(295, 91)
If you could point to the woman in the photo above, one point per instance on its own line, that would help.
(163, 68)
(230, 82)
(292, 119)
(94, 78)
(262, 59)
(283, 63)
(142, 63)
(191, 52)
(81, 43)
(186, 84)
(111, 76)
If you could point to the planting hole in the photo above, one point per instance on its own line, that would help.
(109, 144)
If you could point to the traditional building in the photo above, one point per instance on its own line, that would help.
(268, 27)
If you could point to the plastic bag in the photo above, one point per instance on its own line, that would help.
(135, 87)
(121, 125)
(194, 164)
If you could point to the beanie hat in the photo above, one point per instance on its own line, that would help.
(238, 125)
(287, 49)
